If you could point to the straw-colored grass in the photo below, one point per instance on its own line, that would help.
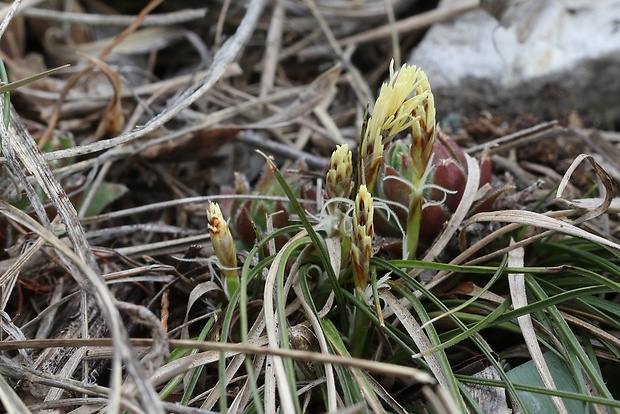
(314, 284)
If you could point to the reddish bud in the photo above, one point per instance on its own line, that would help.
(433, 219)
(449, 175)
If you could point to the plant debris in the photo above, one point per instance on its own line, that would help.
(154, 261)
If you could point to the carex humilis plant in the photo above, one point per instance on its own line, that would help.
(332, 287)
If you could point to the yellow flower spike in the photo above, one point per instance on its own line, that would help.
(363, 232)
(224, 247)
(339, 180)
(338, 185)
(394, 112)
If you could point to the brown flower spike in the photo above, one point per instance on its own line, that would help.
(363, 232)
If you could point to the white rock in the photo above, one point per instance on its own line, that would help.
(556, 55)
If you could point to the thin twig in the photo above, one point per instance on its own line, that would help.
(255, 141)
(272, 49)
(104, 53)
(417, 22)
(188, 200)
(374, 366)
(9, 16)
(389, 8)
(163, 19)
(25, 4)
(361, 88)
(528, 132)
(221, 62)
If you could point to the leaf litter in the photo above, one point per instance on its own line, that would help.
(108, 167)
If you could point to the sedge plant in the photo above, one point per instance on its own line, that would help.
(332, 276)
(352, 199)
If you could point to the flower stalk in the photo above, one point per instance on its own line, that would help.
(423, 132)
(224, 247)
(361, 252)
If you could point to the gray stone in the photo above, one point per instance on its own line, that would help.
(554, 56)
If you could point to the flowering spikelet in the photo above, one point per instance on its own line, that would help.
(423, 131)
(339, 180)
(363, 233)
(224, 246)
(393, 113)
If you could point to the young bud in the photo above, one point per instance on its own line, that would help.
(339, 180)
(224, 247)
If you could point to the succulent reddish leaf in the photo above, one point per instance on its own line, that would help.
(280, 219)
(446, 147)
(281, 216)
(433, 219)
(449, 175)
(395, 190)
(244, 228)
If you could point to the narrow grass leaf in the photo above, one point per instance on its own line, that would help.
(573, 347)
(474, 298)
(317, 241)
(247, 275)
(303, 293)
(25, 81)
(519, 298)
(530, 218)
(439, 359)
(335, 340)
(276, 330)
(225, 373)
(177, 353)
(195, 373)
(416, 333)
(6, 96)
(395, 268)
(540, 389)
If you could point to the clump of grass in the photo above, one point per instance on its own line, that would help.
(350, 296)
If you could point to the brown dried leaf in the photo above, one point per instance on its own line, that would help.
(113, 118)
(202, 145)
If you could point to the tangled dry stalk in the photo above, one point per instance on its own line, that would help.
(108, 168)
